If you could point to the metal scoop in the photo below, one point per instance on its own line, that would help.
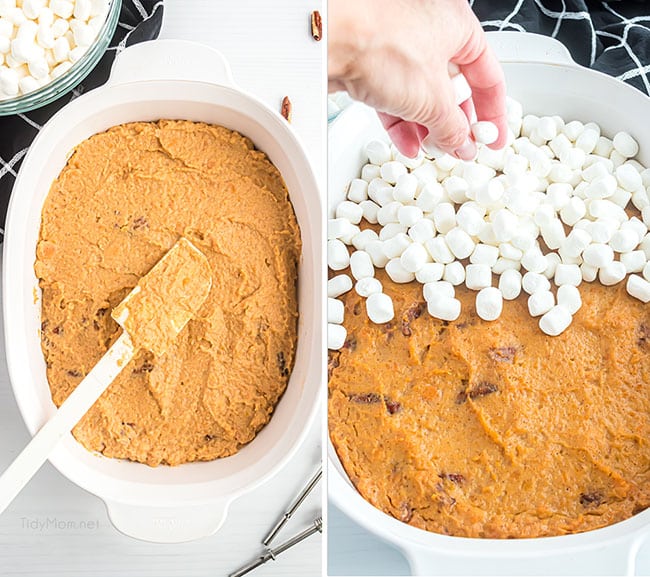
(152, 315)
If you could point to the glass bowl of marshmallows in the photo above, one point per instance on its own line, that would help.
(47, 47)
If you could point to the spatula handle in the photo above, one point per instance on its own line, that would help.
(68, 415)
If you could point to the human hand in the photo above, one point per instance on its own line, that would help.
(395, 55)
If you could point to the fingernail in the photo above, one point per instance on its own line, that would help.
(432, 151)
(467, 151)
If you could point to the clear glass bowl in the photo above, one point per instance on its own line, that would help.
(72, 77)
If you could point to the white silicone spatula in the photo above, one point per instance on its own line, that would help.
(152, 315)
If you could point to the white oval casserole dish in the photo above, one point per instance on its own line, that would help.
(542, 76)
(153, 80)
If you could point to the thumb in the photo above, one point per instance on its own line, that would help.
(446, 122)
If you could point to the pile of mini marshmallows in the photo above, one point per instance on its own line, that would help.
(549, 207)
(40, 40)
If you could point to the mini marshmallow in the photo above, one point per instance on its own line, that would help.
(439, 250)
(638, 287)
(375, 248)
(478, 276)
(484, 254)
(638, 226)
(621, 197)
(555, 321)
(361, 265)
(646, 271)
(595, 171)
(378, 152)
(587, 140)
(389, 212)
(430, 272)
(445, 308)
(485, 132)
(414, 257)
(617, 158)
(422, 230)
(508, 250)
(573, 211)
(533, 260)
(546, 128)
(533, 282)
(411, 162)
(460, 243)
(568, 274)
(625, 145)
(357, 191)
(336, 335)
(504, 224)
(628, 177)
(454, 273)
(391, 230)
(379, 307)
(633, 261)
(338, 285)
(574, 158)
(347, 238)
(568, 296)
(576, 242)
(490, 193)
(553, 234)
(338, 256)
(598, 255)
(560, 173)
(540, 303)
(436, 290)
(61, 49)
(338, 228)
(456, 188)
(444, 217)
(335, 311)
(504, 264)
(612, 273)
(624, 240)
(369, 211)
(589, 273)
(552, 260)
(62, 8)
(367, 286)
(391, 171)
(370, 172)
(489, 303)
(510, 284)
(430, 195)
(397, 272)
(602, 187)
(409, 215)
(394, 247)
(360, 240)
(405, 188)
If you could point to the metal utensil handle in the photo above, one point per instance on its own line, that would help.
(294, 506)
(271, 554)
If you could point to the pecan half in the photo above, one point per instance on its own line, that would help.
(502, 354)
(316, 26)
(286, 108)
(392, 406)
(480, 390)
(593, 499)
(455, 478)
(365, 399)
(410, 314)
(333, 362)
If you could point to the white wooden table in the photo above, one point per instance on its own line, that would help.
(56, 529)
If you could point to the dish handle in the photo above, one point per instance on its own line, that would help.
(167, 524)
(171, 60)
(529, 47)
(616, 558)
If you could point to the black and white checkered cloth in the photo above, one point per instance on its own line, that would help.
(613, 37)
(140, 20)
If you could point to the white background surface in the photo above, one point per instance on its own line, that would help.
(56, 529)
